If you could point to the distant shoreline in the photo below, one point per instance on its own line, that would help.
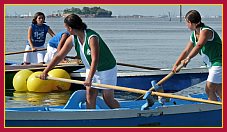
(129, 16)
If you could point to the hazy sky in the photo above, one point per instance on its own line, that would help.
(146, 10)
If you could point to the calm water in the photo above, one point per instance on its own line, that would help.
(153, 42)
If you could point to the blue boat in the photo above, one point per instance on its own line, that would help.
(187, 77)
(175, 113)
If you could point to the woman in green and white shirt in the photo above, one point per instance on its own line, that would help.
(99, 62)
(205, 41)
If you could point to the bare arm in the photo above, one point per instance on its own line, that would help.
(50, 31)
(62, 41)
(184, 54)
(94, 45)
(30, 38)
(203, 38)
(57, 58)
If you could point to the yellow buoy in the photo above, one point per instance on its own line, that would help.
(60, 73)
(20, 80)
(35, 84)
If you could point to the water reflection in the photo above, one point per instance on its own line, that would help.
(23, 99)
(30, 99)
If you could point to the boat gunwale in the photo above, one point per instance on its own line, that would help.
(149, 73)
(42, 67)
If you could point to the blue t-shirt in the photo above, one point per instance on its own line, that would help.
(54, 41)
(39, 34)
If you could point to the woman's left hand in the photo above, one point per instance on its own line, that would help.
(185, 61)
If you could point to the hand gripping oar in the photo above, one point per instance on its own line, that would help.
(158, 87)
(129, 65)
(136, 91)
(11, 53)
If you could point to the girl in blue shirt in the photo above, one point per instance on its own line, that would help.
(36, 39)
(55, 44)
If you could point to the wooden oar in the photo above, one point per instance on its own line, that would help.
(124, 64)
(137, 66)
(59, 64)
(71, 57)
(163, 79)
(136, 90)
(12, 53)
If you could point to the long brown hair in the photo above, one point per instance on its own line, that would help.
(36, 15)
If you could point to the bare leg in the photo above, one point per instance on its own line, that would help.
(211, 91)
(108, 96)
(91, 94)
(219, 90)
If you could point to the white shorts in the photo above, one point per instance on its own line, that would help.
(108, 77)
(34, 57)
(51, 51)
(215, 74)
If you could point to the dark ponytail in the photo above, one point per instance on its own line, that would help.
(75, 22)
(194, 17)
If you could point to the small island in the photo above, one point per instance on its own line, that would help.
(88, 12)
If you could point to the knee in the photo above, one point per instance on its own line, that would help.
(210, 87)
(109, 100)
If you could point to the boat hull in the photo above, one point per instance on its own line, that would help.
(199, 119)
(176, 113)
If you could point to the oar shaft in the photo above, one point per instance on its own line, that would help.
(124, 64)
(137, 66)
(11, 53)
(163, 80)
(59, 64)
(99, 85)
(135, 90)
(71, 57)
(185, 98)
(169, 75)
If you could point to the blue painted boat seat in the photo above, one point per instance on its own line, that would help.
(78, 101)
(199, 95)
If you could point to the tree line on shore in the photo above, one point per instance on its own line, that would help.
(89, 12)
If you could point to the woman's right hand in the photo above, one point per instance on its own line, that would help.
(33, 49)
(174, 69)
(88, 82)
(43, 76)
